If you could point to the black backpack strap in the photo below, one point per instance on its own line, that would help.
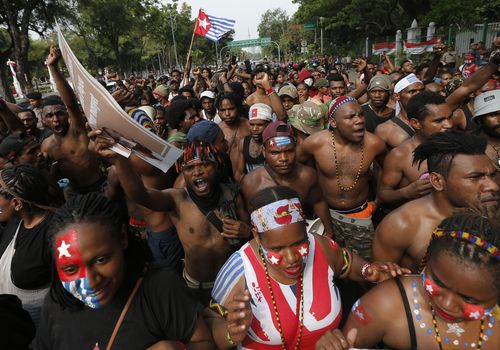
(403, 126)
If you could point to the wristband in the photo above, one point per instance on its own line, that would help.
(269, 91)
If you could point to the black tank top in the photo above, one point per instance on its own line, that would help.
(251, 163)
(372, 120)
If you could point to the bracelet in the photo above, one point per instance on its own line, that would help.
(229, 340)
(363, 269)
(269, 91)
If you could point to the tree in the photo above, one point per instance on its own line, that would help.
(20, 17)
(273, 24)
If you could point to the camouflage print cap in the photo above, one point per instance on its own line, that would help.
(307, 117)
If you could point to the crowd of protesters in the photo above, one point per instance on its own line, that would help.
(307, 211)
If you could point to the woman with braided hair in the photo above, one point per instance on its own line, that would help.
(24, 256)
(104, 292)
(452, 304)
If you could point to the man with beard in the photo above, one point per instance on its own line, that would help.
(281, 169)
(487, 114)
(250, 147)
(233, 125)
(461, 176)
(68, 147)
(207, 214)
(376, 110)
(403, 180)
(345, 179)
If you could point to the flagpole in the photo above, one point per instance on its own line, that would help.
(192, 40)
(216, 56)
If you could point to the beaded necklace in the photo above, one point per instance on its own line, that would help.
(484, 332)
(348, 188)
(300, 304)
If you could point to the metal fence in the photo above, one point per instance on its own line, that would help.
(465, 38)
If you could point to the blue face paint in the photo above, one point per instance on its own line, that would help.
(79, 288)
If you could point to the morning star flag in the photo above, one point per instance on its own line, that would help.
(211, 27)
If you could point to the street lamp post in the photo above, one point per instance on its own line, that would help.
(321, 19)
(173, 40)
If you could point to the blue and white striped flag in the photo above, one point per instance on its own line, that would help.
(212, 27)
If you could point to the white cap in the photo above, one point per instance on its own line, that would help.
(260, 111)
(405, 82)
(486, 103)
(207, 93)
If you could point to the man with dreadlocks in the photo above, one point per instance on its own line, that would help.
(461, 176)
(208, 215)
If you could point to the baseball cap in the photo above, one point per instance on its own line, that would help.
(277, 128)
(207, 94)
(288, 90)
(380, 81)
(486, 103)
(260, 111)
(161, 90)
(321, 82)
(203, 131)
(13, 145)
(306, 117)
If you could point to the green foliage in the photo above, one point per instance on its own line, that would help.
(274, 24)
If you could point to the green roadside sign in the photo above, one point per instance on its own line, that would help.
(250, 43)
(311, 25)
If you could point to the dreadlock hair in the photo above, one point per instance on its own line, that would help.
(231, 96)
(199, 150)
(475, 223)
(440, 149)
(93, 208)
(418, 105)
(26, 182)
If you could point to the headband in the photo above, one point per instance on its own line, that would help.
(198, 151)
(277, 214)
(468, 237)
(339, 101)
(405, 82)
(279, 141)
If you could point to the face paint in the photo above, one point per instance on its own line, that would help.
(430, 286)
(303, 250)
(360, 313)
(272, 257)
(77, 283)
(474, 312)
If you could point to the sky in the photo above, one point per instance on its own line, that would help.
(246, 13)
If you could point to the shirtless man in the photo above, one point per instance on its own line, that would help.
(487, 114)
(206, 214)
(343, 156)
(281, 169)
(250, 147)
(68, 146)
(264, 92)
(233, 125)
(397, 130)
(461, 176)
(403, 180)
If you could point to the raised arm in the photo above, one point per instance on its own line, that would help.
(276, 104)
(10, 119)
(473, 83)
(66, 92)
(429, 75)
(130, 181)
